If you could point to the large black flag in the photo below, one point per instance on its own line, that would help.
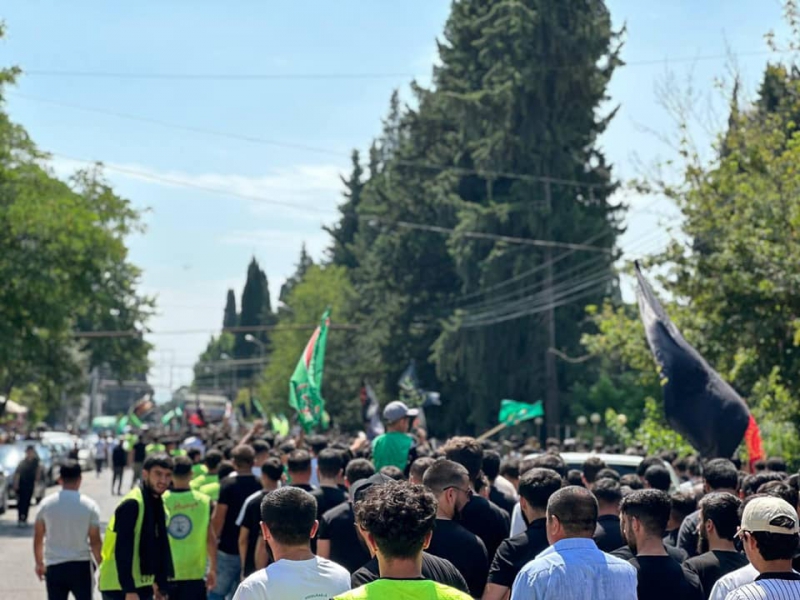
(698, 403)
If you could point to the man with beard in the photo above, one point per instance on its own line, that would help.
(137, 562)
(644, 515)
(449, 482)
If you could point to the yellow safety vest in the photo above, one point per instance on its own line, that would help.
(211, 490)
(109, 578)
(189, 519)
(381, 589)
(199, 469)
(154, 448)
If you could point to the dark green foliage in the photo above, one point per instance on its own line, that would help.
(231, 318)
(256, 311)
(344, 232)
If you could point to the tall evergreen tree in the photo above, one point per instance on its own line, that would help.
(303, 264)
(344, 232)
(231, 318)
(255, 299)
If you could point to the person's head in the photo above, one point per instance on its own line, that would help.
(299, 466)
(398, 416)
(694, 468)
(647, 462)
(609, 494)
(682, 505)
(271, 473)
(608, 473)
(70, 474)
(720, 475)
(157, 473)
(591, 467)
(776, 464)
(752, 483)
(491, 464)
(643, 516)
(719, 517)
(657, 478)
(288, 518)
(243, 457)
(30, 451)
(769, 532)
(261, 452)
(194, 455)
(509, 468)
(181, 472)
(546, 461)
(356, 470)
(449, 482)
(571, 513)
(330, 465)
(575, 477)
(418, 468)
(226, 467)
(393, 472)
(396, 520)
(536, 486)
(212, 460)
(632, 481)
(317, 443)
(466, 451)
(782, 490)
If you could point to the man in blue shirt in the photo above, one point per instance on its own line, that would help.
(573, 568)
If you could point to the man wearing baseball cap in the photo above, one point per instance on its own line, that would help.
(396, 446)
(769, 534)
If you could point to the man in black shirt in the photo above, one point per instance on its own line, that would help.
(434, 568)
(330, 471)
(338, 539)
(719, 475)
(683, 504)
(233, 491)
(719, 520)
(139, 453)
(480, 516)
(491, 468)
(608, 535)
(644, 516)
(119, 459)
(250, 517)
(535, 488)
(298, 466)
(449, 482)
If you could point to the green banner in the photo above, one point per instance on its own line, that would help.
(513, 412)
(305, 386)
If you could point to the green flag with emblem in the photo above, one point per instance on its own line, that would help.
(513, 412)
(305, 387)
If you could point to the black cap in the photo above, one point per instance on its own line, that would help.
(361, 486)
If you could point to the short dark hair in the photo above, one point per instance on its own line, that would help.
(183, 466)
(393, 472)
(299, 461)
(575, 508)
(752, 483)
(693, 466)
(591, 467)
(607, 491)
(537, 485)
(158, 460)
(443, 474)
(777, 464)
(647, 462)
(632, 480)
(212, 459)
(358, 469)
(193, 453)
(225, 468)
(466, 451)
(722, 509)
(509, 467)
(575, 477)
(760, 465)
(70, 471)
(549, 461)
(683, 504)
(608, 473)
(657, 477)
(272, 468)
(420, 466)
(243, 456)
(781, 490)
(261, 447)
(289, 514)
(651, 507)
(330, 462)
(491, 464)
(318, 443)
(398, 515)
(721, 474)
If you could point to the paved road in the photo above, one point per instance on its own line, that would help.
(17, 578)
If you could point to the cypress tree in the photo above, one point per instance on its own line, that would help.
(231, 319)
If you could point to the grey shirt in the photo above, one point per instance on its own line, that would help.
(67, 517)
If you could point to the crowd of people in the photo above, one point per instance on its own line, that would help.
(308, 517)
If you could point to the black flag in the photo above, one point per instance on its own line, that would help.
(698, 404)
(370, 411)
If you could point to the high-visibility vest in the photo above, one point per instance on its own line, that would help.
(178, 452)
(405, 588)
(154, 448)
(109, 578)
(211, 490)
(199, 469)
(189, 520)
(203, 479)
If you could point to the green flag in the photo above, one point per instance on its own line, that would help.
(513, 412)
(280, 425)
(305, 387)
(169, 416)
(259, 408)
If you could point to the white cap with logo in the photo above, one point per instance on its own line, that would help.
(769, 514)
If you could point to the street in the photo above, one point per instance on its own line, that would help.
(17, 578)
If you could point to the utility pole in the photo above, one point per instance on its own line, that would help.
(552, 408)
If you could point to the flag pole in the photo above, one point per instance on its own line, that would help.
(492, 431)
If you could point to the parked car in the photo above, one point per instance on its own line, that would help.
(10, 457)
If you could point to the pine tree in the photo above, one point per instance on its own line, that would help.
(255, 297)
(344, 232)
(305, 261)
(231, 319)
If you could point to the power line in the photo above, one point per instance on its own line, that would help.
(121, 333)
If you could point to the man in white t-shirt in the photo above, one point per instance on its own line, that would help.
(288, 522)
(66, 537)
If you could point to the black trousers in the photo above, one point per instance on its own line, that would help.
(188, 590)
(117, 479)
(24, 495)
(144, 594)
(69, 577)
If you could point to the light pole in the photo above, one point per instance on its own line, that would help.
(595, 418)
(254, 340)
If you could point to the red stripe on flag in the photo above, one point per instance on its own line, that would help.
(752, 439)
(310, 347)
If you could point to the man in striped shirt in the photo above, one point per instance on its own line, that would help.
(769, 533)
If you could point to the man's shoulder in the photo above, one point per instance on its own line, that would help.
(333, 568)
(255, 586)
(337, 512)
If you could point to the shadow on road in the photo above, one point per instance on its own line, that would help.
(9, 529)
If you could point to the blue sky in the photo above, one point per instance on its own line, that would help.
(198, 243)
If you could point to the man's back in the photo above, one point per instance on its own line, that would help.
(119, 456)
(575, 569)
(67, 516)
(232, 493)
(328, 497)
(711, 566)
(687, 534)
(404, 589)
(608, 534)
(663, 577)
(464, 549)
(769, 586)
(338, 526)
(313, 578)
(391, 449)
(517, 551)
(486, 520)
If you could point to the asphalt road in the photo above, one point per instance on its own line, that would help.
(17, 578)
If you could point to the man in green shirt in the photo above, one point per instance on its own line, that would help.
(396, 446)
(396, 521)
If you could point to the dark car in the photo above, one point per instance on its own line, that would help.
(10, 457)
